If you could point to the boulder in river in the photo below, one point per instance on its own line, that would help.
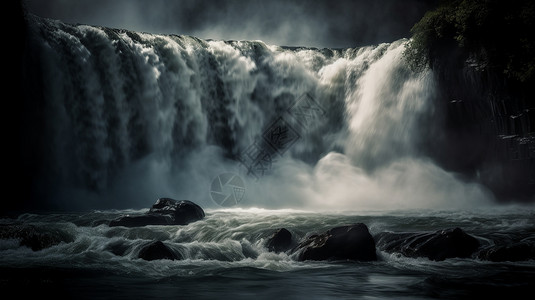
(165, 211)
(183, 212)
(142, 220)
(439, 245)
(158, 250)
(520, 251)
(353, 242)
(280, 241)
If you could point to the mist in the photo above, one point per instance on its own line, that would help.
(322, 24)
(297, 132)
(132, 117)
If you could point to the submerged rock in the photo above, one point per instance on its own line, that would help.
(519, 251)
(439, 245)
(280, 241)
(142, 220)
(165, 211)
(157, 250)
(34, 237)
(352, 242)
(118, 247)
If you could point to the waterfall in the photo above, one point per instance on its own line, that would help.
(120, 118)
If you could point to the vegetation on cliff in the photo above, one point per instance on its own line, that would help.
(493, 35)
(483, 55)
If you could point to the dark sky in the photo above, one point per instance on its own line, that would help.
(333, 24)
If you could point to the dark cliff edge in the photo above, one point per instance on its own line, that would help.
(13, 106)
(484, 60)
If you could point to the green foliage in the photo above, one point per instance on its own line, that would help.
(493, 33)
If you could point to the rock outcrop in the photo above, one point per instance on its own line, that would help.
(353, 242)
(520, 251)
(280, 241)
(158, 250)
(165, 211)
(439, 245)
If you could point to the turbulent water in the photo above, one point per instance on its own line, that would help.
(225, 255)
(117, 119)
(122, 118)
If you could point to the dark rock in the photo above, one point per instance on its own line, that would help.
(183, 211)
(520, 251)
(142, 220)
(158, 250)
(352, 242)
(34, 237)
(165, 211)
(280, 241)
(436, 246)
(164, 205)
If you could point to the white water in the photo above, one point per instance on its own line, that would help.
(225, 253)
(235, 238)
(131, 117)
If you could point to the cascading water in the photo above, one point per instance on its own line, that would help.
(129, 117)
(321, 138)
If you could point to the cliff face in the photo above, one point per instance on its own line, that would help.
(488, 130)
(484, 62)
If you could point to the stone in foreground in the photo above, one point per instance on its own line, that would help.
(520, 251)
(280, 241)
(353, 242)
(165, 211)
(157, 250)
(439, 245)
(183, 212)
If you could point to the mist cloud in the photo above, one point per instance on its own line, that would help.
(331, 24)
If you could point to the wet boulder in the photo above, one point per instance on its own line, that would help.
(353, 242)
(142, 220)
(280, 241)
(183, 212)
(519, 251)
(118, 247)
(158, 250)
(437, 246)
(165, 211)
